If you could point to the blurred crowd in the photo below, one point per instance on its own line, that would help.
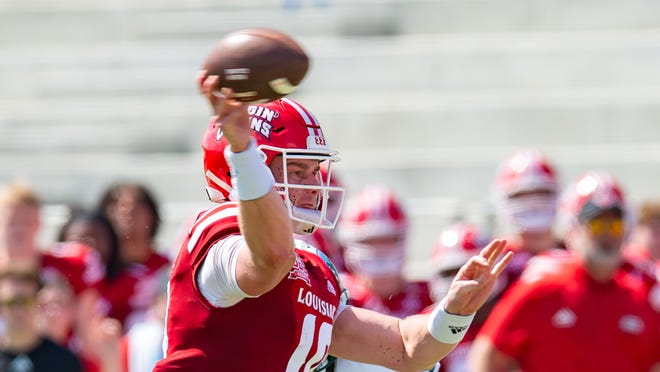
(581, 295)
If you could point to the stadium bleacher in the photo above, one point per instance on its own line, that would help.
(428, 96)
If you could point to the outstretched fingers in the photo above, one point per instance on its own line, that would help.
(492, 253)
(504, 262)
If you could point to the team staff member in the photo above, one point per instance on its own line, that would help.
(244, 296)
(583, 311)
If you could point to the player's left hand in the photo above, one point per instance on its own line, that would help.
(476, 279)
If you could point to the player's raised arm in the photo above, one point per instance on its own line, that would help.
(263, 218)
(418, 341)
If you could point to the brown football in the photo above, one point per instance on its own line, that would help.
(259, 64)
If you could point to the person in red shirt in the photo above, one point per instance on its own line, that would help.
(578, 311)
(133, 212)
(20, 223)
(373, 230)
(71, 264)
(93, 229)
(245, 296)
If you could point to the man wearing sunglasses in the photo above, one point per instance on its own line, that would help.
(578, 311)
(22, 348)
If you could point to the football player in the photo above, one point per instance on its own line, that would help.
(585, 311)
(245, 296)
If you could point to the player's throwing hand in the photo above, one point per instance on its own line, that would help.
(231, 116)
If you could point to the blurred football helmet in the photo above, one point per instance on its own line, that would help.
(282, 127)
(589, 195)
(373, 230)
(525, 191)
(453, 247)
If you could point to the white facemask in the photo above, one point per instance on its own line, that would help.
(375, 260)
(531, 213)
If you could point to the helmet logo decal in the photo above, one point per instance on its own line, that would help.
(218, 134)
(261, 118)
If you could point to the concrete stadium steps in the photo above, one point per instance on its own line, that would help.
(63, 177)
(143, 99)
(466, 173)
(526, 60)
(39, 21)
(462, 173)
(131, 124)
(425, 95)
(358, 120)
(442, 62)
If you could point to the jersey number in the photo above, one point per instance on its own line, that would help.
(299, 357)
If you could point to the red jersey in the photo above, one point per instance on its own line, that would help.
(132, 292)
(326, 242)
(73, 262)
(566, 321)
(412, 299)
(286, 329)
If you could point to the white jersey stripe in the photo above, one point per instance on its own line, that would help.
(199, 229)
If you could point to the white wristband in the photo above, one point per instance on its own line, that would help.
(249, 174)
(448, 328)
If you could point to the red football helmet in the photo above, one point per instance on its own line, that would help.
(525, 170)
(590, 194)
(282, 127)
(373, 213)
(525, 191)
(452, 249)
(373, 231)
(455, 245)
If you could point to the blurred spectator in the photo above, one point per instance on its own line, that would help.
(72, 263)
(453, 247)
(525, 195)
(645, 236)
(95, 231)
(57, 321)
(20, 222)
(374, 230)
(133, 212)
(57, 312)
(584, 312)
(142, 346)
(22, 347)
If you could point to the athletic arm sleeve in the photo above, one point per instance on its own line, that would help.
(216, 279)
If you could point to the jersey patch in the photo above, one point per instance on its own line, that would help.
(300, 272)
